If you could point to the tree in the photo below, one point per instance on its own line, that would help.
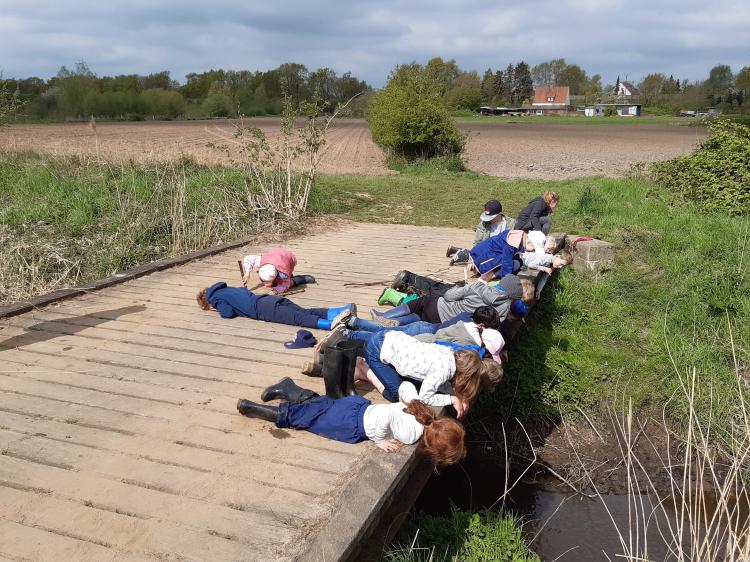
(509, 84)
(651, 87)
(500, 88)
(670, 86)
(720, 78)
(408, 117)
(523, 86)
(617, 86)
(441, 74)
(742, 80)
(487, 90)
(575, 78)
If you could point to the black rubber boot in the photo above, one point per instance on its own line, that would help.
(450, 251)
(287, 390)
(399, 282)
(334, 363)
(255, 410)
(349, 349)
(302, 279)
(313, 368)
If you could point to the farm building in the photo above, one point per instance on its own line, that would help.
(489, 110)
(551, 99)
(626, 89)
(623, 109)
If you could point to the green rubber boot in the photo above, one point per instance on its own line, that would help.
(390, 296)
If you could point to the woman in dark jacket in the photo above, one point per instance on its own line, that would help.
(535, 215)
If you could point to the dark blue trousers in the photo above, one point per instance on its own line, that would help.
(341, 420)
(281, 310)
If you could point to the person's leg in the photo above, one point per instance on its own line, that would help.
(393, 313)
(287, 312)
(546, 223)
(385, 373)
(335, 419)
(302, 279)
(429, 287)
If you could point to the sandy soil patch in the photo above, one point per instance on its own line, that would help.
(523, 150)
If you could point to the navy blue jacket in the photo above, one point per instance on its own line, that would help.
(496, 251)
(528, 218)
(232, 301)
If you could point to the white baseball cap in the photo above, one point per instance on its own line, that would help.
(267, 273)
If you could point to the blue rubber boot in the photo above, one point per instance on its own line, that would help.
(395, 312)
(334, 312)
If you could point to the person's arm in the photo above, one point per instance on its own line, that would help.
(507, 261)
(429, 391)
(456, 293)
(225, 309)
(479, 232)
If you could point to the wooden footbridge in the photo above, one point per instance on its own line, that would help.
(118, 429)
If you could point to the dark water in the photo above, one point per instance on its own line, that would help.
(564, 527)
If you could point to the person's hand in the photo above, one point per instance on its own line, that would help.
(390, 445)
(246, 277)
(548, 270)
(461, 406)
(278, 289)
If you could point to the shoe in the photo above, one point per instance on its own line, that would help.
(255, 410)
(349, 349)
(333, 337)
(303, 279)
(287, 390)
(450, 251)
(385, 322)
(347, 322)
(334, 364)
(390, 296)
(313, 368)
(399, 282)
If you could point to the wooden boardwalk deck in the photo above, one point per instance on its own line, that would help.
(119, 434)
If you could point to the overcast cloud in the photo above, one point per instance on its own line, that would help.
(610, 37)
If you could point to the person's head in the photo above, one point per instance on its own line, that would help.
(550, 244)
(527, 291)
(491, 374)
(561, 259)
(465, 381)
(486, 317)
(442, 439)
(552, 199)
(267, 274)
(202, 301)
(493, 211)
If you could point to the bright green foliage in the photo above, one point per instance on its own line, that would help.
(407, 118)
(610, 111)
(217, 105)
(486, 536)
(717, 174)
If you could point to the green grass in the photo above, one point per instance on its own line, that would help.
(575, 119)
(486, 536)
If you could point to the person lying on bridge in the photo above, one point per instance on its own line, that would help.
(353, 419)
(238, 301)
(499, 256)
(491, 223)
(275, 269)
(456, 300)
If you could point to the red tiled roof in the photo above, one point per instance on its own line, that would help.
(561, 95)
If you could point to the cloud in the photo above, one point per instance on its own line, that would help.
(609, 37)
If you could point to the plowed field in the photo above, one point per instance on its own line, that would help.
(527, 150)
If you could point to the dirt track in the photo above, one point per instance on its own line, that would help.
(526, 150)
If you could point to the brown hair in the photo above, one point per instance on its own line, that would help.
(201, 298)
(491, 374)
(442, 439)
(565, 255)
(528, 291)
(550, 196)
(466, 381)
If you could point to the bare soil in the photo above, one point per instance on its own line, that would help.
(514, 150)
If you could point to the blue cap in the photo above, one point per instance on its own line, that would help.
(304, 338)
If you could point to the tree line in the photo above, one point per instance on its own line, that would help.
(78, 93)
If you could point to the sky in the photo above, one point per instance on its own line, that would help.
(629, 38)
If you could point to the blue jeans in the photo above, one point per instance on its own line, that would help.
(385, 373)
(341, 420)
(413, 329)
(283, 311)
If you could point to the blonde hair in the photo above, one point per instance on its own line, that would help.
(550, 196)
(466, 381)
(490, 374)
(529, 292)
(565, 256)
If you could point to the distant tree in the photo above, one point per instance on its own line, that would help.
(160, 80)
(509, 80)
(293, 79)
(542, 74)
(742, 80)
(670, 86)
(487, 90)
(593, 85)
(523, 86)
(500, 88)
(720, 78)
(464, 97)
(10, 101)
(651, 87)
(441, 74)
(617, 85)
(75, 85)
(575, 78)
(677, 85)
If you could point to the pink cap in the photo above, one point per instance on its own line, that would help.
(494, 343)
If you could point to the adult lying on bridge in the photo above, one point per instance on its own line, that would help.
(238, 301)
(275, 269)
(353, 419)
(457, 300)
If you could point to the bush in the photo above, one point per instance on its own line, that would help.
(407, 118)
(717, 174)
(610, 111)
(158, 102)
(217, 105)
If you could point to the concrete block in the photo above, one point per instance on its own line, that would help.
(592, 256)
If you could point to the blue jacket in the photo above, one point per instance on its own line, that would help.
(496, 251)
(232, 301)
